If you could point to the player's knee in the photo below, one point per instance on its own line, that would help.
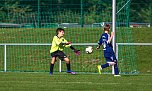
(66, 60)
(111, 63)
(115, 60)
(53, 60)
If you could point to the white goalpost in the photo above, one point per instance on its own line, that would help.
(114, 22)
(114, 27)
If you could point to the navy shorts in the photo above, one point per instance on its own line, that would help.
(111, 59)
(59, 54)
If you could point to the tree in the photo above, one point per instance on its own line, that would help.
(141, 10)
(10, 8)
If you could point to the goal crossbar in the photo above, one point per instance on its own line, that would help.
(134, 44)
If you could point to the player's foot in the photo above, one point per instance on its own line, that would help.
(99, 69)
(117, 75)
(50, 73)
(71, 72)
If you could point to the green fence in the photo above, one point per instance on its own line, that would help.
(83, 24)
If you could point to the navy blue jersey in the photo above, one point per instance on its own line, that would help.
(107, 47)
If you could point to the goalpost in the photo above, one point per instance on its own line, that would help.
(114, 20)
(131, 60)
(113, 27)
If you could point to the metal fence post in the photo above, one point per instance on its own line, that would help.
(5, 69)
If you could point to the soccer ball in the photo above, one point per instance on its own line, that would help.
(89, 50)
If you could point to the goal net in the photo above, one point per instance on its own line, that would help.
(83, 22)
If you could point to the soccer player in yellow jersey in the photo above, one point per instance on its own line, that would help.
(58, 44)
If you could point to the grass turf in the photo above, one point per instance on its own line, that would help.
(79, 82)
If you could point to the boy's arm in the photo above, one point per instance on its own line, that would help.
(109, 40)
(99, 43)
(98, 46)
(77, 52)
(66, 43)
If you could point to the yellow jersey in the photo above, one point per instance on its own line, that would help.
(57, 44)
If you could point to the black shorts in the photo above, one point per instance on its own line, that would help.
(59, 54)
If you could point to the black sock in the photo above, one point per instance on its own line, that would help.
(68, 66)
(51, 68)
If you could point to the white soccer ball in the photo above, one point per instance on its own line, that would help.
(89, 49)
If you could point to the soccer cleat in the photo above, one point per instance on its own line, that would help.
(71, 72)
(51, 73)
(99, 69)
(117, 75)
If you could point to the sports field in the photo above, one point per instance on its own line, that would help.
(18, 81)
(41, 56)
(79, 82)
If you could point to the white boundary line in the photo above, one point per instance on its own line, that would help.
(32, 82)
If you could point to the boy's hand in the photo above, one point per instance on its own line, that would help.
(112, 33)
(98, 47)
(68, 43)
(77, 52)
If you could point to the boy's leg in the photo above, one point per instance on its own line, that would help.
(108, 59)
(116, 69)
(116, 65)
(52, 65)
(51, 68)
(105, 65)
(100, 67)
(109, 63)
(62, 56)
(69, 66)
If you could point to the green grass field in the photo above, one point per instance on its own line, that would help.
(79, 82)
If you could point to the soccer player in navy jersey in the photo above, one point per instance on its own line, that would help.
(105, 41)
(58, 45)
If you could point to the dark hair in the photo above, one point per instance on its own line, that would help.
(107, 27)
(58, 30)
